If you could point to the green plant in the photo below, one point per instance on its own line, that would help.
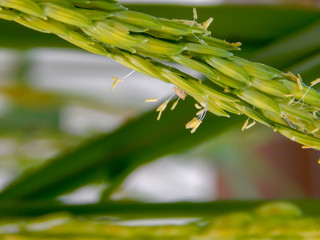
(266, 95)
(29, 207)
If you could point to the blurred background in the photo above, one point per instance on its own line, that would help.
(56, 99)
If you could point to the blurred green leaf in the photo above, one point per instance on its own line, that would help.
(310, 68)
(246, 23)
(292, 48)
(146, 210)
(138, 141)
(21, 119)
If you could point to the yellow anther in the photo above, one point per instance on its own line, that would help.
(237, 44)
(319, 161)
(180, 93)
(174, 105)
(245, 125)
(307, 147)
(195, 14)
(207, 23)
(151, 100)
(314, 113)
(116, 80)
(193, 124)
(299, 82)
(197, 106)
(314, 82)
(201, 112)
(226, 90)
(251, 124)
(315, 130)
(291, 76)
(161, 108)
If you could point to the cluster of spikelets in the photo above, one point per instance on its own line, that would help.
(266, 95)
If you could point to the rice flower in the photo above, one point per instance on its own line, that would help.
(142, 42)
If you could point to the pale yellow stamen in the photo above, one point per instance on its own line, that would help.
(151, 100)
(291, 101)
(161, 108)
(314, 113)
(319, 161)
(207, 23)
(180, 93)
(237, 44)
(200, 112)
(197, 106)
(315, 82)
(174, 104)
(193, 124)
(299, 82)
(315, 130)
(195, 14)
(289, 95)
(245, 125)
(251, 124)
(194, 129)
(291, 76)
(307, 147)
(116, 80)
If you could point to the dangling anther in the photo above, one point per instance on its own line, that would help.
(174, 104)
(151, 100)
(245, 125)
(193, 124)
(116, 80)
(197, 106)
(161, 108)
(180, 93)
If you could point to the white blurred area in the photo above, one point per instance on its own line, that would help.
(73, 71)
(169, 179)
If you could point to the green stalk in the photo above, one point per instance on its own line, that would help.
(274, 220)
(138, 41)
(148, 210)
(212, 220)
